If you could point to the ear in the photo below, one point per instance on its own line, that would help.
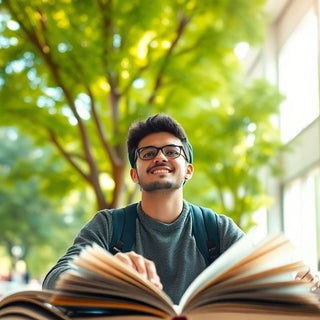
(134, 175)
(189, 171)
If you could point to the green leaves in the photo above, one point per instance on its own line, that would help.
(232, 144)
(33, 195)
(75, 74)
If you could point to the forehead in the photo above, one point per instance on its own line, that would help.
(159, 139)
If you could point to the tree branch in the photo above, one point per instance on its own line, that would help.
(113, 78)
(67, 155)
(134, 77)
(116, 161)
(183, 22)
(93, 177)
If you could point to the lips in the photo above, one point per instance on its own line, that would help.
(160, 170)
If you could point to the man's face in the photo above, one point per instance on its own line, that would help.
(162, 172)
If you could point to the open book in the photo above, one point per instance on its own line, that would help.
(249, 281)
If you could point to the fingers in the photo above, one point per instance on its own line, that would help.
(305, 275)
(308, 276)
(152, 274)
(143, 266)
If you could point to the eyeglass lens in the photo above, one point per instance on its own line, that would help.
(149, 153)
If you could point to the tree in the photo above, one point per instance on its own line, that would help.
(31, 217)
(241, 140)
(77, 73)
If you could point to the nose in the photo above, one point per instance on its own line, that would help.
(160, 157)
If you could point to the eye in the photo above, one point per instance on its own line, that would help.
(172, 152)
(148, 153)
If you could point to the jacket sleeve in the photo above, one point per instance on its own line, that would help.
(97, 230)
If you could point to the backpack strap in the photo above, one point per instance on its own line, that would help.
(124, 228)
(206, 232)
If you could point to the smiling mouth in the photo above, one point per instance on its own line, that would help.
(160, 170)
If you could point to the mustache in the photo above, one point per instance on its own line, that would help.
(159, 165)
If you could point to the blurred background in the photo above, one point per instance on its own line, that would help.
(242, 77)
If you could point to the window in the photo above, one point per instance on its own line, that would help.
(290, 58)
(301, 214)
(298, 78)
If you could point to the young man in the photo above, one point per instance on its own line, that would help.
(165, 250)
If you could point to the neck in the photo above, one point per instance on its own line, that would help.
(162, 206)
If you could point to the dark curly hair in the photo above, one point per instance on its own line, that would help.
(157, 123)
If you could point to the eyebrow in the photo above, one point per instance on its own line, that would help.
(165, 145)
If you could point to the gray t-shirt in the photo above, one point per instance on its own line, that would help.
(171, 246)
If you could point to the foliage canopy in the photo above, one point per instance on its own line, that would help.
(76, 73)
(31, 211)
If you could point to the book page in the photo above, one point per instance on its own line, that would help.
(96, 271)
(90, 285)
(32, 304)
(253, 311)
(260, 291)
(92, 306)
(241, 257)
(99, 260)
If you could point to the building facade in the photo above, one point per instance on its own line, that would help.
(289, 58)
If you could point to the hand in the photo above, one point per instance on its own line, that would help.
(144, 266)
(308, 276)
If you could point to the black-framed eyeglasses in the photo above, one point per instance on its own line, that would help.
(171, 151)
